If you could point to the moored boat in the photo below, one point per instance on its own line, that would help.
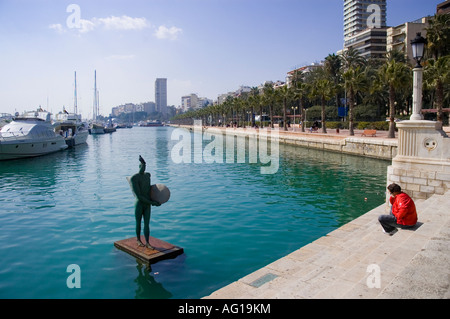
(153, 123)
(72, 128)
(30, 135)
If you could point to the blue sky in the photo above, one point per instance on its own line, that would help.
(208, 47)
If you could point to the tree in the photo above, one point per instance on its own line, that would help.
(352, 58)
(333, 65)
(269, 98)
(355, 80)
(395, 75)
(285, 95)
(438, 35)
(299, 93)
(437, 75)
(322, 88)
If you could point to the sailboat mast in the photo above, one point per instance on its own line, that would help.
(75, 93)
(95, 95)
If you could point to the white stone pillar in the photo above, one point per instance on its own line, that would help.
(417, 95)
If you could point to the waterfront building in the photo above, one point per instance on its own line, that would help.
(194, 102)
(443, 8)
(365, 27)
(161, 95)
(399, 37)
(149, 107)
(303, 69)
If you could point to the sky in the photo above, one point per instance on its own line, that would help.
(207, 47)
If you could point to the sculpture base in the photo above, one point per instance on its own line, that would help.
(163, 250)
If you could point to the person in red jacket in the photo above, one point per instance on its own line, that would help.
(403, 211)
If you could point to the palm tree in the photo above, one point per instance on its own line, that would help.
(437, 74)
(395, 75)
(355, 80)
(269, 97)
(299, 93)
(322, 88)
(284, 94)
(438, 35)
(352, 58)
(333, 64)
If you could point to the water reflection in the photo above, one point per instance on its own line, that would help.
(147, 286)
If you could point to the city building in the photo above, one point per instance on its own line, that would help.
(363, 14)
(365, 27)
(194, 102)
(161, 95)
(149, 107)
(399, 37)
(304, 70)
(443, 8)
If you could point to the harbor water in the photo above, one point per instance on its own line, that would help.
(68, 208)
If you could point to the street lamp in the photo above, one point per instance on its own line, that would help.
(418, 48)
(294, 108)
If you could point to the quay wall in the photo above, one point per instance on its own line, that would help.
(374, 147)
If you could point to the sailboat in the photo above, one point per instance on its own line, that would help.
(70, 125)
(95, 127)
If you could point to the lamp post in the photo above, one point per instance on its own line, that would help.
(418, 48)
(294, 108)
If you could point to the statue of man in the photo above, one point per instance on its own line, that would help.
(140, 184)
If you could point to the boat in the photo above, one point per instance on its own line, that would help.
(109, 128)
(96, 128)
(71, 127)
(29, 135)
(153, 123)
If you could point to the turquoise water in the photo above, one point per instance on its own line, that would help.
(69, 208)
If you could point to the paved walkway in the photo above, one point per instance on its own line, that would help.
(359, 261)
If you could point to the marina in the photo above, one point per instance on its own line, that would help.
(71, 207)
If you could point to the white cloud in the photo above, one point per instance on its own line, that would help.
(109, 23)
(122, 23)
(57, 27)
(86, 26)
(167, 33)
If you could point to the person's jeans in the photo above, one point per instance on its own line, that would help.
(389, 222)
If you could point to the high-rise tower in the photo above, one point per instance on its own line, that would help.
(161, 95)
(363, 14)
(365, 27)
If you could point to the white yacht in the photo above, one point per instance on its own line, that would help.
(29, 135)
(72, 128)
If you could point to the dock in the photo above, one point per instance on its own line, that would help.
(163, 250)
(359, 261)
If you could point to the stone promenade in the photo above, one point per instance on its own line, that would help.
(358, 260)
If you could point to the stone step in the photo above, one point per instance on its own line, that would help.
(340, 264)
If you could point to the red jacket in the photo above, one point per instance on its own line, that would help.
(404, 209)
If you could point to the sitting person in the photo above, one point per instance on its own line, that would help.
(403, 211)
(314, 127)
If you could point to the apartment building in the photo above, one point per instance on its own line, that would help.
(399, 37)
(365, 27)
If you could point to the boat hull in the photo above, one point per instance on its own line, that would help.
(77, 139)
(94, 130)
(24, 149)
